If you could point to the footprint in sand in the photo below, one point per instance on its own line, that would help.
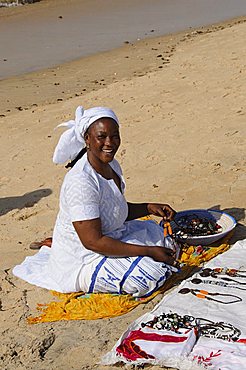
(123, 152)
(4, 180)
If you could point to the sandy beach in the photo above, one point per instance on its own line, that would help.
(181, 103)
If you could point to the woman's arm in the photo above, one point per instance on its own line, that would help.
(92, 238)
(137, 210)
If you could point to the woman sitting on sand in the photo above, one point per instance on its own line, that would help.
(98, 245)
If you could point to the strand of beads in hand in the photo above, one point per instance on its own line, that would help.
(170, 242)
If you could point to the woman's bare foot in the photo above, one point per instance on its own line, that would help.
(38, 245)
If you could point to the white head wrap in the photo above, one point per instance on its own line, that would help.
(72, 140)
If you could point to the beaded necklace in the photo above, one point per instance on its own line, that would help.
(223, 271)
(174, 322)
(218, 273)
(218, 283)
(203, 294)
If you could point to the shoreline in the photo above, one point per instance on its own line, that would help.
(34, 32)
(48, 86)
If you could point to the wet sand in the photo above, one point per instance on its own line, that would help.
(94, 72)
(53, 32)
(181, 103)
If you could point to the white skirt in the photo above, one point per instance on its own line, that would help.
(139, 276)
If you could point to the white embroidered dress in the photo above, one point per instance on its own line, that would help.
(68, 266)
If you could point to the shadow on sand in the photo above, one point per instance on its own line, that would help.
(23, 201)
(239, 215)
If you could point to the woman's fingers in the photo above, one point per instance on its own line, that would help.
(169, 251)
(162, 254)
(168, 213)
(162, 210)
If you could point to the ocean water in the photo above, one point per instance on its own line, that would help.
(85, 27)
(10, 3)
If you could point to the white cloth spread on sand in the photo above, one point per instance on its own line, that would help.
(205, 329)
(68, 266)
(72, 141)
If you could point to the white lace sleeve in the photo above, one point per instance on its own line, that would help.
(82, 199)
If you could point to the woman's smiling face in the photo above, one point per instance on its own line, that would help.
(103, 140)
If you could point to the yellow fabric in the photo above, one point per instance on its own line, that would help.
(80, 306)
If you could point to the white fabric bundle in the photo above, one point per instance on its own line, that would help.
(72, 141)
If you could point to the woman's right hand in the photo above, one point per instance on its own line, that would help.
(90, 234)
(162, 254)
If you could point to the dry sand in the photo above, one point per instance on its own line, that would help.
(181, 102)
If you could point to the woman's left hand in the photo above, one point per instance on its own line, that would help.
(161, 210)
